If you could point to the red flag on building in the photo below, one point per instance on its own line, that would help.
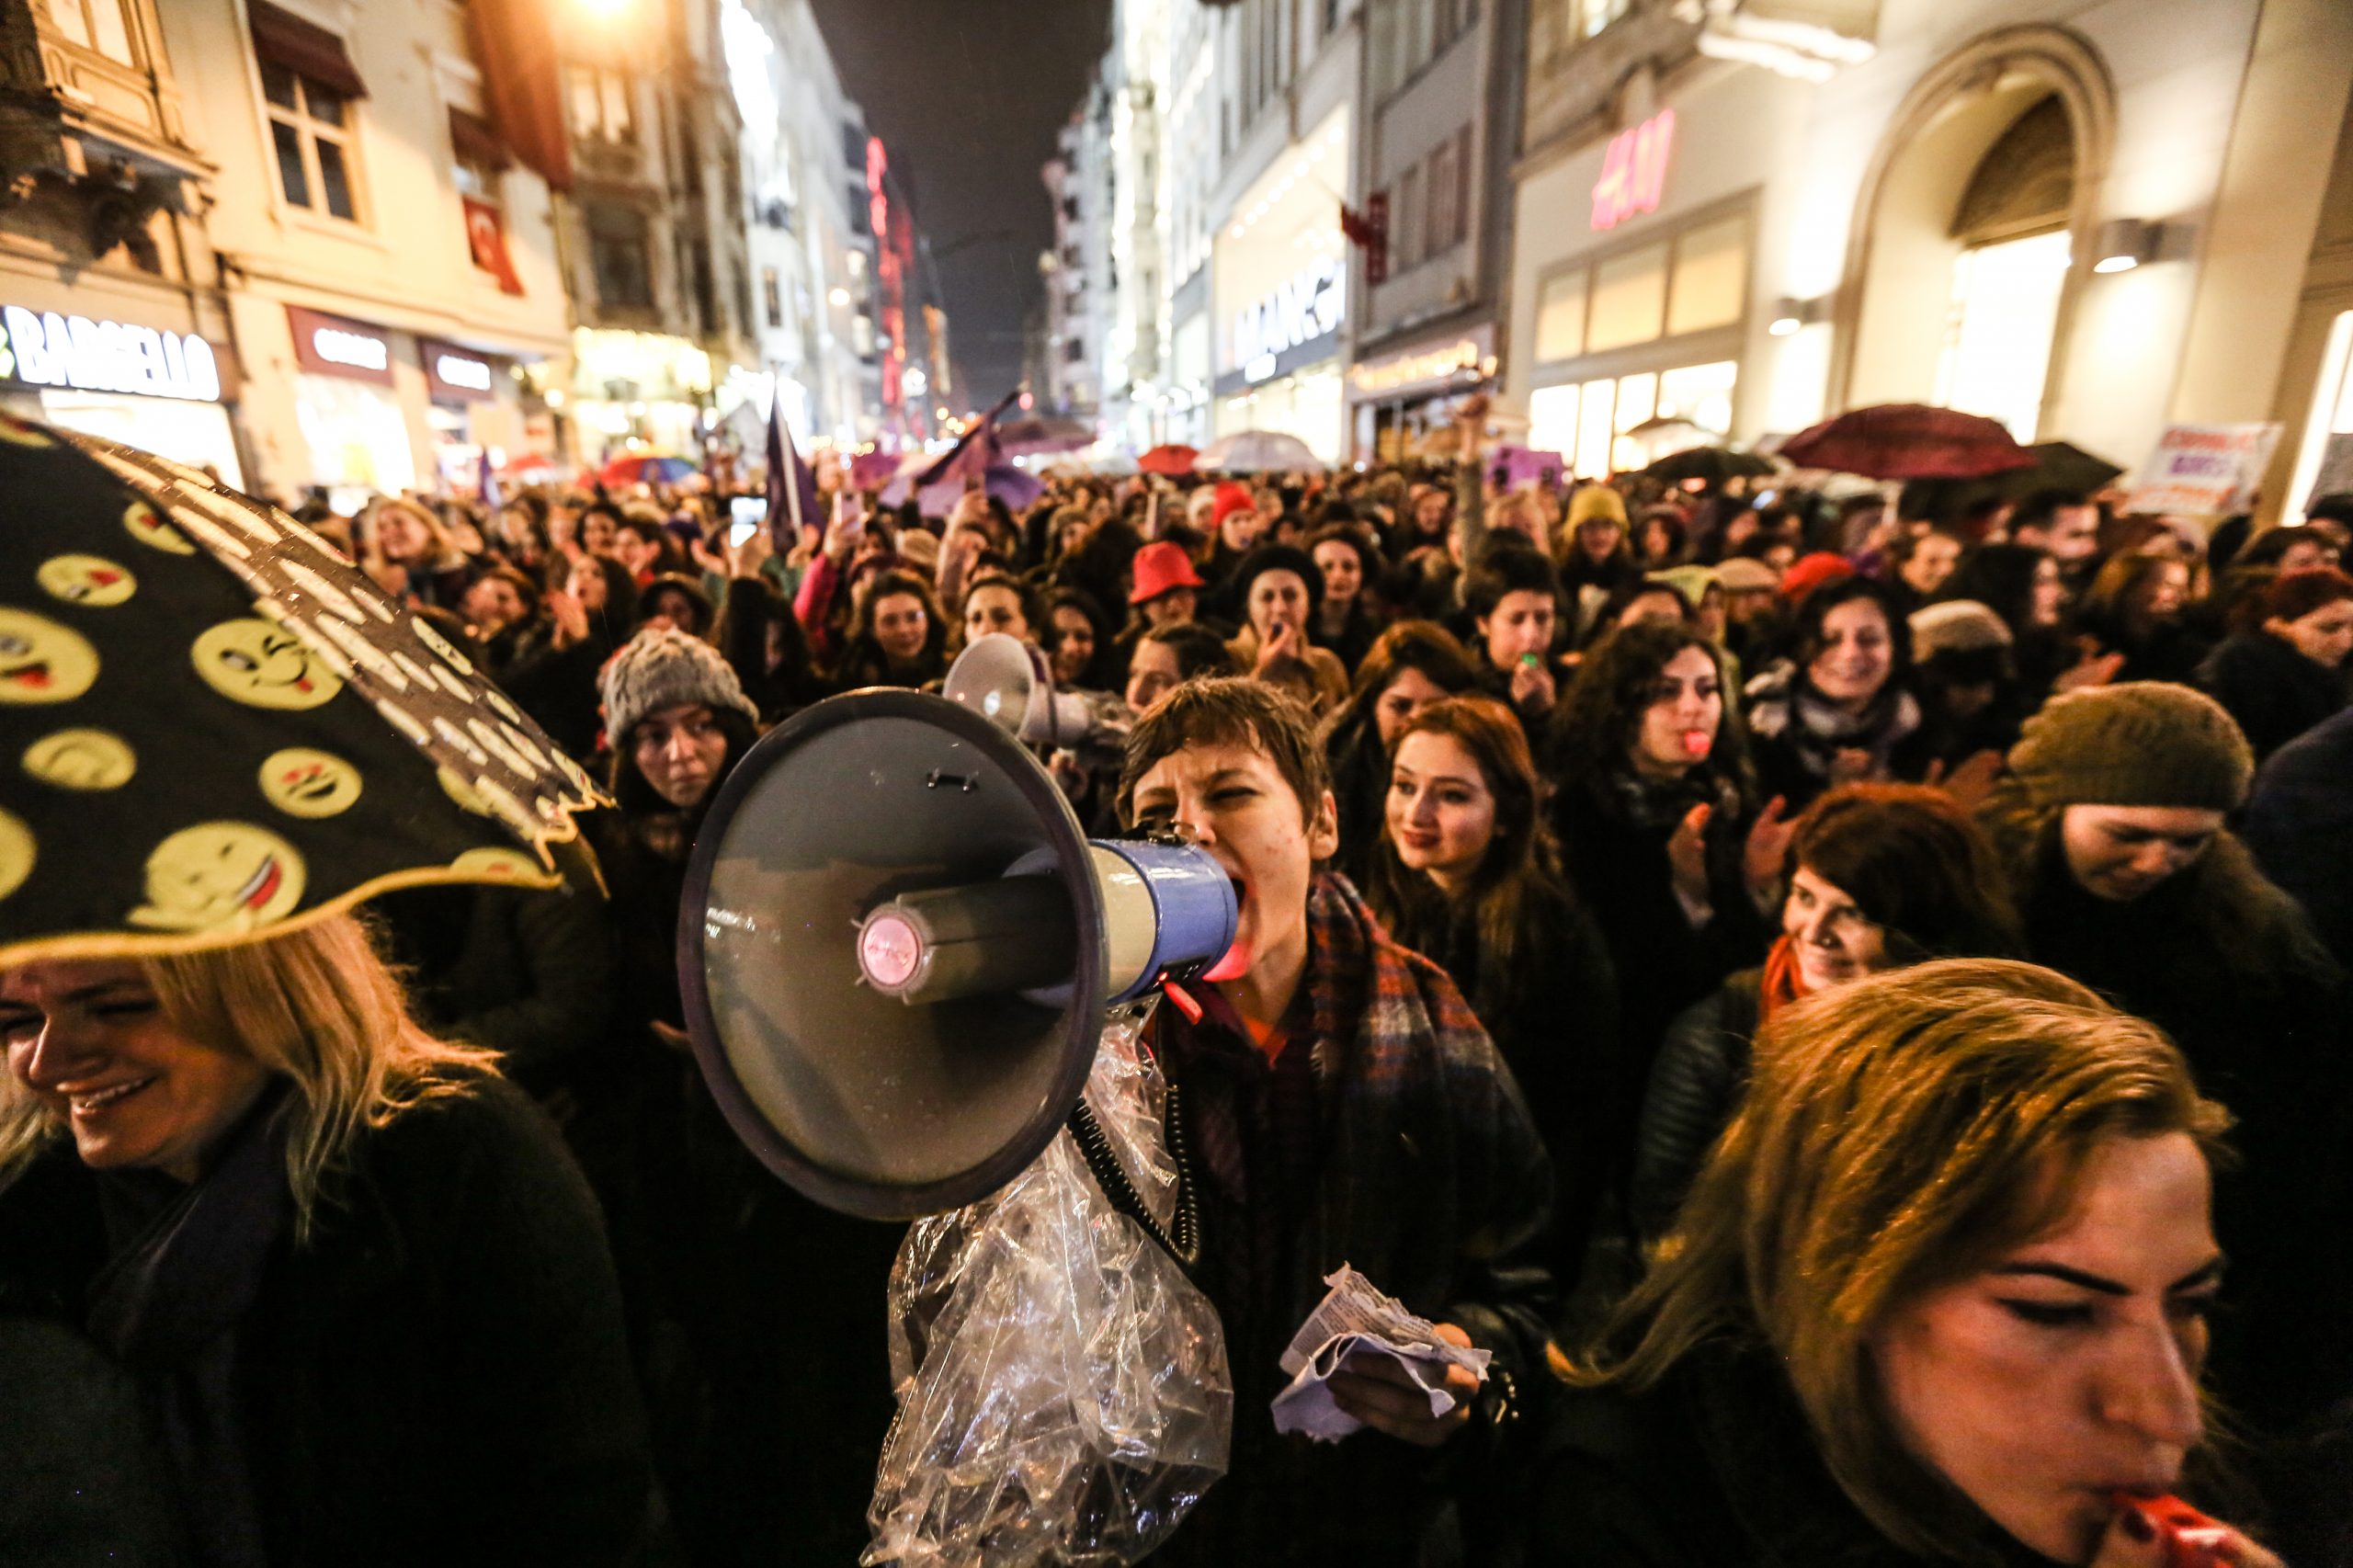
(487, 238)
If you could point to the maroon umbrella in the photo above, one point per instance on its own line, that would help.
(1907, 440)
(1171, 460)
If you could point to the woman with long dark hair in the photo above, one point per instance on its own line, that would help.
(1409, 666)
(1465, 875)
(898, 636)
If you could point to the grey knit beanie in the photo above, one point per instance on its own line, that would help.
(1956, 626)
(2146, 742)
(662, 667)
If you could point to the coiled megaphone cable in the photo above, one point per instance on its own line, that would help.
(1095, 1146)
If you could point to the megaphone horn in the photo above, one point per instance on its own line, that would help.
(897, 948)
(1007, 680)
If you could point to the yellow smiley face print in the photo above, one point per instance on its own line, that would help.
(16, 853)
(147, 525)
(309, 784)
(263, 665)
(82, 759)
(220, 875)
(90, 580)
(42, 661)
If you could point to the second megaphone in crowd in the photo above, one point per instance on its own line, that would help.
(1009, 682)
(899, 946)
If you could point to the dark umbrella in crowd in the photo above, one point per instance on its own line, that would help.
(1907, 440)
(1711, 465)
(2058, 465)
(1037, 435)
(223, 728)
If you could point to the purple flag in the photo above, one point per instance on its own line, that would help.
(792, 488)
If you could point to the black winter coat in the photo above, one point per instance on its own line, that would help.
(437, 1374)
(2273, 691)
(1712, 1468)
(1695, 1087)
(2299, 823)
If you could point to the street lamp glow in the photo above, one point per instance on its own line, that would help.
(605, 8)
(839, 297)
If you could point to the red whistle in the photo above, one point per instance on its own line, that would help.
(2191, 1539)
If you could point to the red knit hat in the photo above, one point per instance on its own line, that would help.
(1162, 568)
(1810, 572)
(1230, 498)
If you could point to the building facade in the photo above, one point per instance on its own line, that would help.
(113, 316)
(2090, 222)
(1442, 96)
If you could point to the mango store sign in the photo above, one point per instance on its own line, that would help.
(1633, 171)
(54, 350)
(1302, 310)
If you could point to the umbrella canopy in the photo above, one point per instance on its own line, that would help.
(645, 470)
(1034, 435)
(1259, 451)
(1907, 440)
(2058, 465)
(528, 464)
(1171, 460)
(223, 728)
(1712, 465)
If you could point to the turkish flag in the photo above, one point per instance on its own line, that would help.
(487, 238)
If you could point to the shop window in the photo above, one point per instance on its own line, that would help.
(1711, 276)
(1629, 299)
(1560, 317)
(600, 107)
(772, 295)
(310, 130)
(1997, 334)
(1449, 193)
(1596, 402)
(1552, 420)
(1700, 394)
(2325, 455)
(618, 253)
(96, 25)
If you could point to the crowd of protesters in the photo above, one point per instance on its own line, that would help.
(1779, 973)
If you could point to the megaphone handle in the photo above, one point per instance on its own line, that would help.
(1095, 1146)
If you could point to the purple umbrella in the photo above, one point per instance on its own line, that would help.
(872, 471)
(1005, 482)
(1037, 434)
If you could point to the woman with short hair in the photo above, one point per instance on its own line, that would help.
(1940, 1296)
(362, 1289)
(1881, 876)
(2281, 675)
(1841, 710)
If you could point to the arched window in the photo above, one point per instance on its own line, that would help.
(2011, 223)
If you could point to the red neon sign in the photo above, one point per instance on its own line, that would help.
(1633, 171)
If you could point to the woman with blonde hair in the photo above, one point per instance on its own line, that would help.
(360, 1291)
(1940, 1295)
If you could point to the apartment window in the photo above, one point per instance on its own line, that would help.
(599, 102)
(617, 250)
(96, 25)
(1448, 194)
(311, 130)
(1405, 222)
(479, 157)
(772, 294)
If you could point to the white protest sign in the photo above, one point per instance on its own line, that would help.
(2203, 471)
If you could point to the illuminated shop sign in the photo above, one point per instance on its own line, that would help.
(54, 350)
(1305, 309)
(1633, 171)
(332, 345)
(451, 372)
(1472, 356)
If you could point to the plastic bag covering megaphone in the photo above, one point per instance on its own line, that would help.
(1063, 1394)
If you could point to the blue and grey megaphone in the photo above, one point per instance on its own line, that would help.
(898, 947)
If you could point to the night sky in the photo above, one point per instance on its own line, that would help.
(969, 95)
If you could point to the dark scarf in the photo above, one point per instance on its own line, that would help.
(188, 1267)
(1787, 709)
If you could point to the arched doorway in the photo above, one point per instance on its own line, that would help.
(1960, 281)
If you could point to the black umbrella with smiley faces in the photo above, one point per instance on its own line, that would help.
(212, 726)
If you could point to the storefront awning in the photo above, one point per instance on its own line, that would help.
(281, 38)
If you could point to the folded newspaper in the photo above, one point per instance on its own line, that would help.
(1353, 1326)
